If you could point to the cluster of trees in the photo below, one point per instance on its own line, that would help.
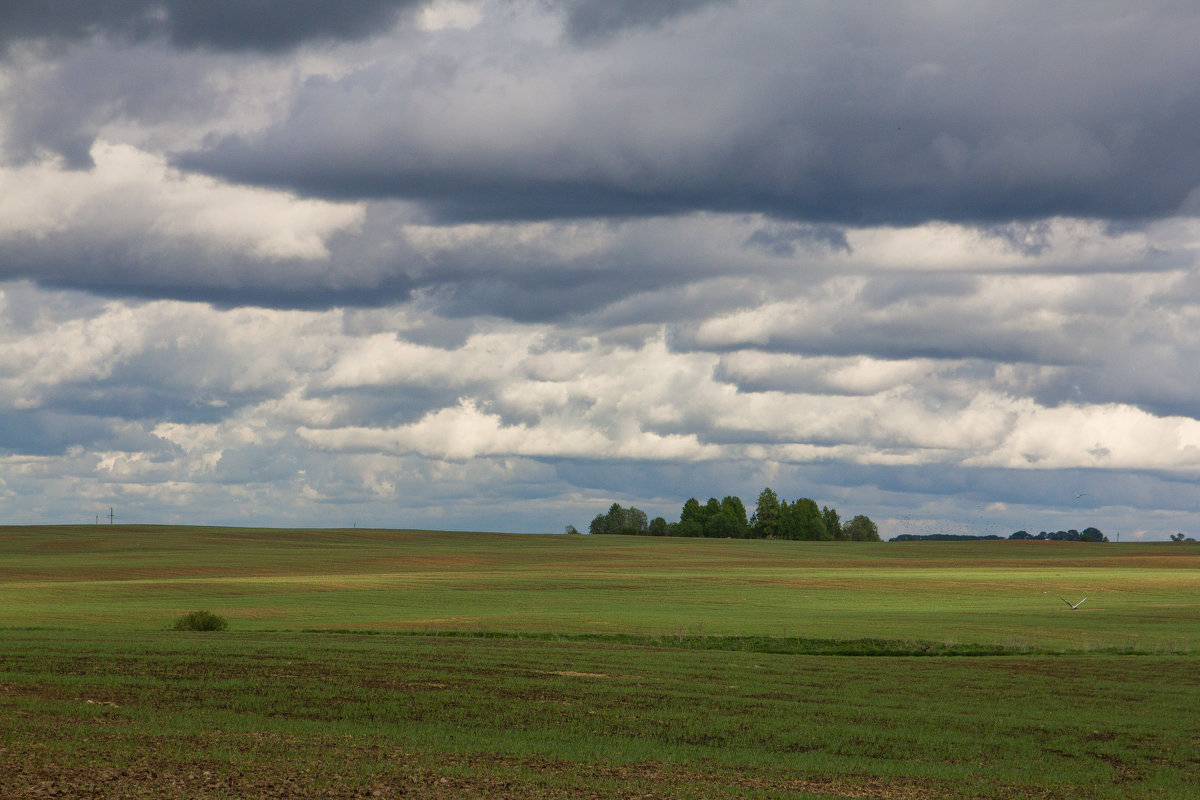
(941, 537)
(1086, 535)
(773, 518)
(1179, 537)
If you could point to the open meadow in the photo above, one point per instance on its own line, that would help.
(364, 663)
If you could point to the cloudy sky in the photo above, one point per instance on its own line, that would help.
(478, 264)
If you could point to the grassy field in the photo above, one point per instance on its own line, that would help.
(554, 666)
(97, 577)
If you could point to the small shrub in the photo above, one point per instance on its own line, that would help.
(201, 621)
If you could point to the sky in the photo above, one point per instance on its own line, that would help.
(498, 264)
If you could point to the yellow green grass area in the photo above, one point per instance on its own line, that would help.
(365, 663)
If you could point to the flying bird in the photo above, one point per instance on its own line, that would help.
(1073, 605)
(1080, 494)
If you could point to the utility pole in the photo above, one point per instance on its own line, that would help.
(110, 515)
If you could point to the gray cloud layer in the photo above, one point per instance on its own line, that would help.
(818, 112)
(261, 25)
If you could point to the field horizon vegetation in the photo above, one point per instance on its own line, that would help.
(395, 663)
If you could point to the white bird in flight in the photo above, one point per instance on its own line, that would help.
(1080, 494)
(1073, 605)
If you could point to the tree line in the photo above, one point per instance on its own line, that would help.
(773, 518)
(1086, 535)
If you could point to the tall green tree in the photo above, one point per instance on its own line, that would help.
(802, 520)
(617, 519)
(788, 526)
(691, 519)
(722, 525)
(734, 507)
(765, 522)
(709, 510)
(833, 523)
(812, 522)
(692, 511)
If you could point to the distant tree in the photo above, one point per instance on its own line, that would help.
(765, 522)
(659, 527)
(833, 523)
(862, 529)
(630, 521)
(1021, 535)
(802, 520)
(702, 514)
(788, 526)
(689, 528)
(1176, 537)
(572, 530)
(711, 509)
(616, 519)
(734, 507)
(942, 537)
(723, 525)
(692, 512)
(1092, 535)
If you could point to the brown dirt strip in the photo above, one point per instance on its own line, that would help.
(23, 776)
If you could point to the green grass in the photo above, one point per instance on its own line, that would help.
(993, 593)
(259, 708)
(555, 666)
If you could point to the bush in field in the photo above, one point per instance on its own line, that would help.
(201, 621)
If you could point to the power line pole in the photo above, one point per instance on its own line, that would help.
(110, 515)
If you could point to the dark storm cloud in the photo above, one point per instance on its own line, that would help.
(119, 68)
(233, 25)
(821, 112)
(371, 268)
(782, 240)
(120, 270)
(130, 260)
(597, 19)
(540, 295)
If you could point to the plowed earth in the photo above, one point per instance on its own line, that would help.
(412, 776)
